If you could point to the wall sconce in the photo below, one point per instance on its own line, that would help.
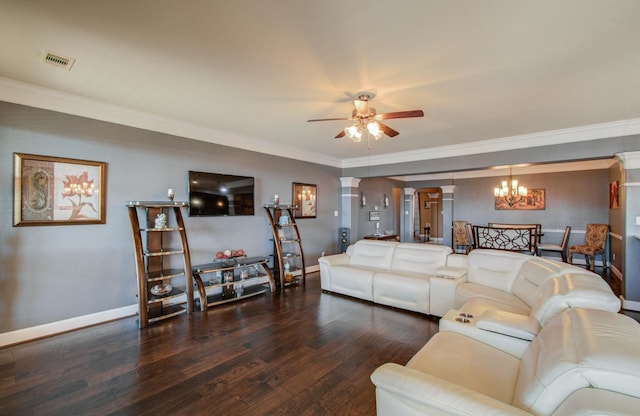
(385, 201)
(363, 200)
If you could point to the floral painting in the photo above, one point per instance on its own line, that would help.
(55, 191)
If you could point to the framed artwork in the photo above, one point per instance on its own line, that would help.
(374, 215)
(535, 200)
(305, 200)
(58, 191)
(614, 201)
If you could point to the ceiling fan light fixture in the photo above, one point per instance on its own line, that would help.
(362, 105)
(374, 130)
(366, 121)
(354, 133)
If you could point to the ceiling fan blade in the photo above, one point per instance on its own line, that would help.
(328, 119)
(388, 130)
(400, 114)
(341, 134)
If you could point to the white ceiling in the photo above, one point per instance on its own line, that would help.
(249, 73)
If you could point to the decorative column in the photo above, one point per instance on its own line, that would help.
(408, 217)
(447, 214)
(349, 205)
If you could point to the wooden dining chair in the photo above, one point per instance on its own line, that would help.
(461, 236)
(561, 248)
(595, 242)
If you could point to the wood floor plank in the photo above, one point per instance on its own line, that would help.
(303, 352)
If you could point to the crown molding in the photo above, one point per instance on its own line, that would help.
(596, 164)
(630, 160)
(545, 138)
(47, 99)
(349, 182)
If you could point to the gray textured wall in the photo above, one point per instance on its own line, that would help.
(572, 198)
(50, 273)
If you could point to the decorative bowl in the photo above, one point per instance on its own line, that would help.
(161, 290)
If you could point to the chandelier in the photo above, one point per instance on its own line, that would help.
(510, 191)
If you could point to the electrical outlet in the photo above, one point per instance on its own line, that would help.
(637, 220)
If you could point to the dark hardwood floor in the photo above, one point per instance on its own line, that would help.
(299, 353)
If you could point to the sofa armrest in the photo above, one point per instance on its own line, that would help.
(402, 390)
(442, 293)
(507, 323)
(453, 272)
(459, 261)
(334, 259)
(326, 263)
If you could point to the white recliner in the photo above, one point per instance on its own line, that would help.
(582, 362)
(507, 309)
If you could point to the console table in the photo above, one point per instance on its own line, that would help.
(236, 278)
(394, 237)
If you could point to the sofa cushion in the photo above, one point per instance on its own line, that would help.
(372, 254)
(509, 303)
(584, 290)
(577, 349)
(468, 294)
(353, 281)
(531, 275)
(419, 258)
(404, 290)
(470, 363)
(494, 268)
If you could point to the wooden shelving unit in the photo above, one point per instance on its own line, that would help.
(287, 245)
(162, 260)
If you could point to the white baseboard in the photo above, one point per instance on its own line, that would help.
(40, 331)
(630, 305)
(58, 327)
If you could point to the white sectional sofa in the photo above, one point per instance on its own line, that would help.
(519, 335)
(430, 279)
(583, 362)
(386, 272)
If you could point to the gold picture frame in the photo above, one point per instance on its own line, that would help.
(58, 191)
(305, 200)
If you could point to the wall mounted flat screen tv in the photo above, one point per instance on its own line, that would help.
(215, 194)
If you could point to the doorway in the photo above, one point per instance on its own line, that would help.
(429, 226)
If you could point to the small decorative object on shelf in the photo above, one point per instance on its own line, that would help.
(161, 220)
(276, 199)
(228, 254)
(170, 194)
(228, 290)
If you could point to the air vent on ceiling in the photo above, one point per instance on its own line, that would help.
(57, 60)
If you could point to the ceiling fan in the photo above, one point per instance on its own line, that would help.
(367, 121)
